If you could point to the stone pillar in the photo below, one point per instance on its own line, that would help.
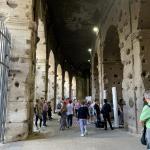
(92, 78)
(59, 84)
(99, 50)
(73, 88)
(63, 82)
(51, 77)
(40, 76)
(17, 16)
(88, 86)
(81, 87)
(51, 84)
(115, 107)
(66, 85)
(142, 69)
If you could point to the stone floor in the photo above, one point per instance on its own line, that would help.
(51, 138)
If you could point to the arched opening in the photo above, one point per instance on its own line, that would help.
(59, 84)
(51, 77)
(66, 85)
(143, 51)
(144, 26)
(40, 74)
(96, 77)
(73, 89)
(112, 66)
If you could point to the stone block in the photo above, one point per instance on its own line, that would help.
(16, 131)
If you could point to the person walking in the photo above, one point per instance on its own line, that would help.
(63, 111)
(106, 110)
(38, 114)
(91, 111)
(97, 110)
(145, 117)
(83, 115)
(69, 113)
(49, 110)
(45, 110)
(76, 107)
(120, 115)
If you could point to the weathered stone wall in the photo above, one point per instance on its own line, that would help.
(95, 77)
(17, 16)
(59, 84)
(51, 77)
(40, 75)
(144, 54)
(124, 16)
(81, 87)
(73, 88)
(66, 85)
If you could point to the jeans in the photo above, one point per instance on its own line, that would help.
(83, 124)
(69, 120)
(148, 137)
(107, 118)
(36, 120)
(44, 117)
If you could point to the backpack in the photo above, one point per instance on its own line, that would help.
(59, 106)
(99, 124)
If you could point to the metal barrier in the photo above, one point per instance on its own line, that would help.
(4, 69)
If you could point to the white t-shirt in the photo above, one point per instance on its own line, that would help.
(70, 109)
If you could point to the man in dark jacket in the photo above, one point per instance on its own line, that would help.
(83, 115)
(106, 109)
(97, 110)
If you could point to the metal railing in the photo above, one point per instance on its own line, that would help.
(5, 43)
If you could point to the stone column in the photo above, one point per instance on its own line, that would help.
(92, 78)
(51, 77)
(142, 69)
(115, 107)
(40, 76)
(17, 16)
(59, 84)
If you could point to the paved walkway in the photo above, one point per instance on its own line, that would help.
(97, 139)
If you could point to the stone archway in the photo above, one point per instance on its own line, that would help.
(96, 77)
(73, 88)
(66, 85)
(144, 26)
(51, 77)
(59, 84)
(112, 66)
(142, 61)
(40, 74)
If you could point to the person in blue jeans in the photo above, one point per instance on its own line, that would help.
(83, 115)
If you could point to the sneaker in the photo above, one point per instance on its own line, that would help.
(82, 135)
(86, 132)
(37, 128)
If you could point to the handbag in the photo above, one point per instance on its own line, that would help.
(143, 138)
(59, 113)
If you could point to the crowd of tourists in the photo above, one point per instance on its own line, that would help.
(42, 111)
(88, 112)
(84, 112)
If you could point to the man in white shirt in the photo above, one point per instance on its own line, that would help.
(69, 113)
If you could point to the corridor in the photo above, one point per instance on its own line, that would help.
(53, 51)
(97, 139)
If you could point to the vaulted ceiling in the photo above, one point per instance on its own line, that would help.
(73, 21)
